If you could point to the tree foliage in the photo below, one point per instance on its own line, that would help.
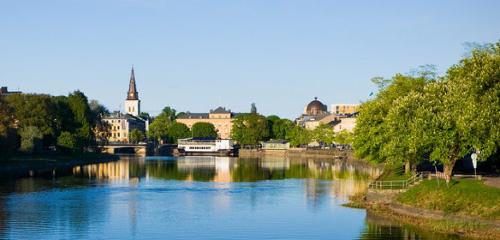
(67, 142)
(31, 139)
(444, 119)
(136, 136)
(299, 136)
(250, 129)
(203, 130)
(178, 131)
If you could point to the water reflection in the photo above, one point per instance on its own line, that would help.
(196, 197)
(351, 177)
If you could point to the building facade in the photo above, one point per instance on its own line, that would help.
(221, 118)
(341, 109)
(121, 124)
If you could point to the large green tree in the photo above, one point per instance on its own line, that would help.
(461, 113)
(250, 129)
(372, 133)
(299, 136)
(203, 130)
(178, 131)
(84, 119)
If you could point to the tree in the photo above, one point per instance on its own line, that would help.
(136, 136)
(67, 142)
(281, 127)
(31, 139)
(158, 129)
(462, 111)
(8, 143)
(84, 119)
(177, 131)
(404, 129)
(323, 134)
(299, 136)
(203, 130)
(169, 113)
(371, 131)
(343, 137)
(34, 110)
(250, 129)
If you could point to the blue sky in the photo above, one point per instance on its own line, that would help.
(197, 55)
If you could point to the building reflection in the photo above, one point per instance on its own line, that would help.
(345, 178)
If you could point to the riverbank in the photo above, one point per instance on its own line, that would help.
(24, 164)
(466, 207)
(296, 152)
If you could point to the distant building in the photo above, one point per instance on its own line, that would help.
(346, 123)
(221, 118)
(123, 123)
(4, 91)
(316, 113)
(341, 116)
(341, 109)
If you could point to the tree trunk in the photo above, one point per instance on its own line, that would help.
(407, 167)
(448, 170)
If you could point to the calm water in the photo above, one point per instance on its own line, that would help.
(195, 198)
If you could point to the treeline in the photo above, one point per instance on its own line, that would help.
(32, 123)
(419, 117)
(248, 129)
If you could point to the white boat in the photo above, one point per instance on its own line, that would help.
(202, 146)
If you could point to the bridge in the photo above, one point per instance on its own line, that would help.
(126, 148)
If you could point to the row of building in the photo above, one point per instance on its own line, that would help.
(340, 117)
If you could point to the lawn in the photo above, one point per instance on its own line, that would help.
(466, 197)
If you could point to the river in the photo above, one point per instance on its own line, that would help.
(196, 198)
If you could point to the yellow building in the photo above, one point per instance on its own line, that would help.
(221, 118)
(345, 108)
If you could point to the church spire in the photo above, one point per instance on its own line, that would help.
(132, 89)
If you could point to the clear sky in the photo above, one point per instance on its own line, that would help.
(197, 55)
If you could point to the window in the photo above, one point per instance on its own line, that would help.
(118, 134)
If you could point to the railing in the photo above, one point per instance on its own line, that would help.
(397, 184)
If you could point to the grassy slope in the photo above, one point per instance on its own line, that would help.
(393, 172)
(464, 197)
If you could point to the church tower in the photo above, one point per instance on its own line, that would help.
(132, 104)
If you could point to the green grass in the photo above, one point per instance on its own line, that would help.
(465, 197)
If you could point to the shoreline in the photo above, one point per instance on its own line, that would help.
(23, 165)
(385, 205)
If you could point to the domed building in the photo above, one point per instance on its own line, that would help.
(315, 113)
(315, 107)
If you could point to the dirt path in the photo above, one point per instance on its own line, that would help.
(492, 181)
